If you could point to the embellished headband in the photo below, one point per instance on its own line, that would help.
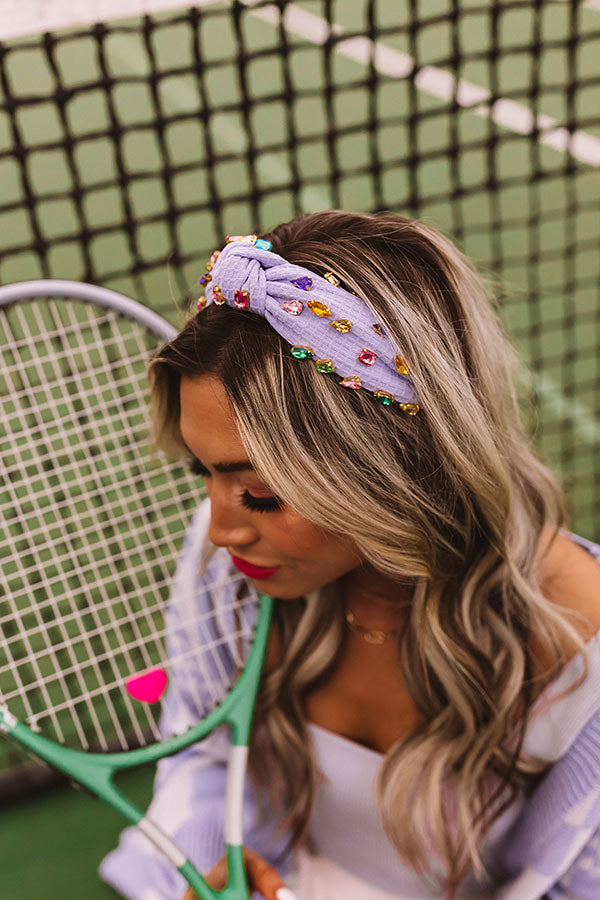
(321, 320)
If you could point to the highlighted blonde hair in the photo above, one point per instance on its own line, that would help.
(452, 502)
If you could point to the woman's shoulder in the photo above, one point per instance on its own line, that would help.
(571, 579)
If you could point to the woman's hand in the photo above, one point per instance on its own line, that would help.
(262, 877)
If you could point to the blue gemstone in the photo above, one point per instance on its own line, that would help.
(263, 245)
(304, 283)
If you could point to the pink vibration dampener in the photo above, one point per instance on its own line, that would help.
(147, 688)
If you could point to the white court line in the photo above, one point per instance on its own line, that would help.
(21, 17)
(437, 82)
(386, 60)
(586, 4)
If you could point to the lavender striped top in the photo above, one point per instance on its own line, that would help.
(546, 845)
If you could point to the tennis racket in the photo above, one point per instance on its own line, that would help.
(91, 522)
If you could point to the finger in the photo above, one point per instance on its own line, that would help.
(216, 878)
(265, 878)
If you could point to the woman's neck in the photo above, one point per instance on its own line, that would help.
(375, 600)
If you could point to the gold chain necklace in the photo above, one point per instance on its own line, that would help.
(371, 636)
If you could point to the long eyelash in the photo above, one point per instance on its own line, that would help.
(196, 468)
(261, 504)
(256, 504)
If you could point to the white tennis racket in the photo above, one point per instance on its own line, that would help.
(91, 521)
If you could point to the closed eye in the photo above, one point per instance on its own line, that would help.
(261, 504)
(196, 468)
(255, 504)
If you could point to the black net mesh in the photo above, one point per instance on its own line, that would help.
(129, 148)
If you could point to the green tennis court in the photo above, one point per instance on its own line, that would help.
(129, 148)
(39, 856)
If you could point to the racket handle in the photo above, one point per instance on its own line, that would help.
(237, 886)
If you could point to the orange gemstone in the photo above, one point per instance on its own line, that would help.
(319, 309)
(401, 365)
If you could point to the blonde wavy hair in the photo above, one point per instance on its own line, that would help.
(451, 502)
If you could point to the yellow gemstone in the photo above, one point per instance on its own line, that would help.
(342, 325)
(411, 408)
(331, 278)
(319, 309)
(218, 295)
(401, 365)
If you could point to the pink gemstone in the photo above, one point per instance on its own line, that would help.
(367, 357)
(292, 306)
(241, 299)
(241, 238)
(352, 381)
(214, 257)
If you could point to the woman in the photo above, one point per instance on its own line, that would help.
(347, 397)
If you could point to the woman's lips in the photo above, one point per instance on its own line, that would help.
(253, 571)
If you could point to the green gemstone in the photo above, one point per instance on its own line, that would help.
(324, 365)
(383, 397)
(302, 352)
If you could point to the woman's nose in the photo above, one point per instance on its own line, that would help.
(230, 524)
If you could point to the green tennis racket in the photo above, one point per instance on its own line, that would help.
(91, 522)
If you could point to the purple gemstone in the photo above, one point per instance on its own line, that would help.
(304, 283)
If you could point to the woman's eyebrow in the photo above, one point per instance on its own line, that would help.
(242, 465)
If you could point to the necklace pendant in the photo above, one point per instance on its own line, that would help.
(375, 637)
(370, 635)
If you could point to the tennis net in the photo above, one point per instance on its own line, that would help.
(132, 143)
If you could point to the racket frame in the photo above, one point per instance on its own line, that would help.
(95, 771)
(59, 289)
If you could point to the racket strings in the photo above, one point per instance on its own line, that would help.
(159, 633)
(198, 659)
(91, 521)
(38, 563)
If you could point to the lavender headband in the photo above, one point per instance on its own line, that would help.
(320, 319)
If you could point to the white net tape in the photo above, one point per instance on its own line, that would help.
(23, 17)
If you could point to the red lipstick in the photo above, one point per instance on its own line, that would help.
(252, 571)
